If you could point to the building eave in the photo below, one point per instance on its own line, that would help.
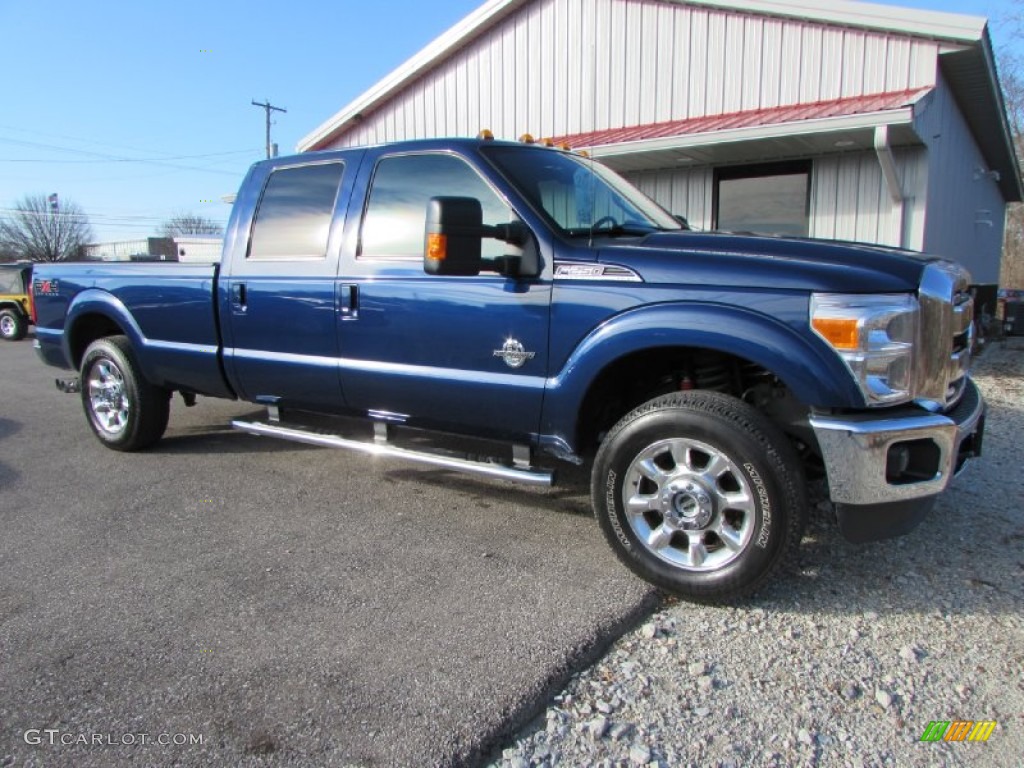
(974, 81)
(935, 25)
(781, 140)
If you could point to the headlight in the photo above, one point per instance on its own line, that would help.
(875, 336)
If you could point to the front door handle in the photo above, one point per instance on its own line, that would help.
(348, 301)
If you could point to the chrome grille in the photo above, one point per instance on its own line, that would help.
(947, 333)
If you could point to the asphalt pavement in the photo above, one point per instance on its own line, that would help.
(224, 599)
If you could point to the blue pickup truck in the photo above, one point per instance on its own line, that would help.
(499, 307)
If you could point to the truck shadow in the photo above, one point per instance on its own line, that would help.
(570, 497)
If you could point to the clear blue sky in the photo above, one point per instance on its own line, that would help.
(139, 110)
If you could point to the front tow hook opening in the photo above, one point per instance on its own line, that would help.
(70, 386)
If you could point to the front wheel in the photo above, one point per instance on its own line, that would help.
(125, 411)
(700, 494)
(13, 325)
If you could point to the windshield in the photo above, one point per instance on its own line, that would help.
(579, 196)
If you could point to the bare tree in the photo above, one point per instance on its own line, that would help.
(190, 224)
(1011, 72)
(41, 228)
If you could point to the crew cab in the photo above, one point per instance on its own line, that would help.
(510, 306)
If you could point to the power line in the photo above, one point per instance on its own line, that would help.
(107, 157)
(124, 159)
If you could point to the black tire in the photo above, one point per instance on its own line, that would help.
(124, 411)
(13, 325)
(702, 539)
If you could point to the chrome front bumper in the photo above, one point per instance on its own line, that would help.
(877, 458)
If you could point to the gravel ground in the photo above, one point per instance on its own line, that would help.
(845, 659)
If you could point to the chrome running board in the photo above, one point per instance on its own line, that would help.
(519, 473)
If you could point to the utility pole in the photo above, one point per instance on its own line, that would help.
(268, 107)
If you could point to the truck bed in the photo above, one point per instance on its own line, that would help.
(168, 310)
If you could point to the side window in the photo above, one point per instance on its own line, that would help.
(293, 220)
(10, 281)
(396, 213)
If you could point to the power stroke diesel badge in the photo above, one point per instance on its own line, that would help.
(514, 354)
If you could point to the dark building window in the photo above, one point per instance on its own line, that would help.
(293, 220)
(396, 214)
(769, 199)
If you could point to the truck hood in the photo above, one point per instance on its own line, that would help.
(748, 261)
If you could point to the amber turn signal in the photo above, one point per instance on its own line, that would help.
(437, 246)
(840, 332)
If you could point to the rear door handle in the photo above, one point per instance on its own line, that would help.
(348, 301)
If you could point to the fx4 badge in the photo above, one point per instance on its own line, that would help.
(514, 354)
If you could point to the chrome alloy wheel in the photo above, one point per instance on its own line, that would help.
(108, 401)
(8, 326)
(689, 504)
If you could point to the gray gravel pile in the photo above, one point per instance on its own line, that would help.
(846, 658)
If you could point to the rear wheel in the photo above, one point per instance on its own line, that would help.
(13, 325)
(699, 494)
(125, 411)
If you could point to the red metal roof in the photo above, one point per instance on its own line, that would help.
(878, 102)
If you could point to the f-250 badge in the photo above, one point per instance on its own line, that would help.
(514, 354)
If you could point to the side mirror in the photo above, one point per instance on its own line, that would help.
(453, 233)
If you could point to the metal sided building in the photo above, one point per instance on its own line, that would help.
(831, 119)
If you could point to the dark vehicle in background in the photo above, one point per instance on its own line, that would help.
(15, 310)
(1011, 305)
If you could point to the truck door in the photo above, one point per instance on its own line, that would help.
(441, 351)
(278, 302)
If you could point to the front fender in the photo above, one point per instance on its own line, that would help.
(815, 374)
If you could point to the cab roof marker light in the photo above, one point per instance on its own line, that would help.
(527, 138)
(485, 134)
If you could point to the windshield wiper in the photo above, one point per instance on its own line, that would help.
(618, 230)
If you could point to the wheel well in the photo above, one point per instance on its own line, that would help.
(640, 376)
(86, 330)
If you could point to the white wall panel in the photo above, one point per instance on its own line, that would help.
(557, 67)
(663, 65)
(771, 64)
(811, 65)
(753, 43)
(734, 64)
(682, 67)
(699, 62)
(850, 199)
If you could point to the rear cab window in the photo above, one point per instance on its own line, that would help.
(293, 220)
